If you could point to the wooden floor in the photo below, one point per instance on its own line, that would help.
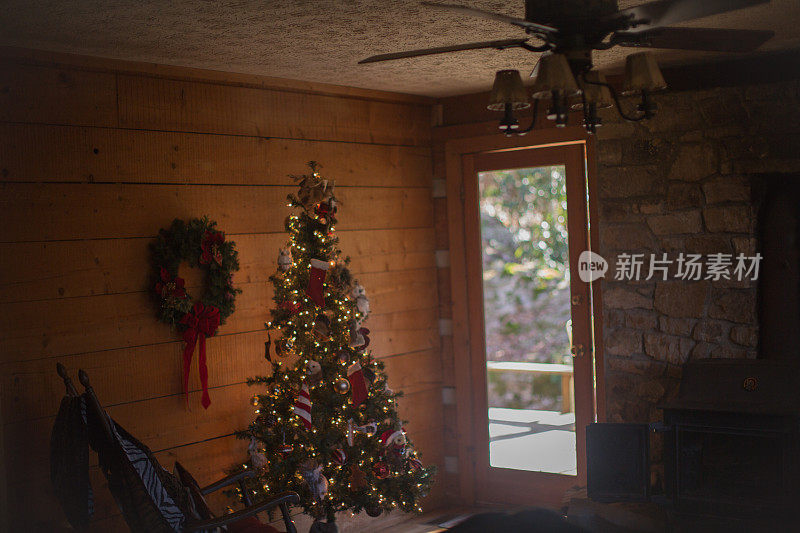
(439, 520)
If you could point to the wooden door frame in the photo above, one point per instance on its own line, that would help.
(455, 149)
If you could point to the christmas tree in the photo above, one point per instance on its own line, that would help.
(326, 422)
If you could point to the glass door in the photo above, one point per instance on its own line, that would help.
(527, 225)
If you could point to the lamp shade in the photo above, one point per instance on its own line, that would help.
(553, 74)
(508, 89)
(642, 74)
(598, 95)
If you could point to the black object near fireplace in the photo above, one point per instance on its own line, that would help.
(731, 443)
(731, 437)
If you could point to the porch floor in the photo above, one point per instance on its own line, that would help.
(533, 440)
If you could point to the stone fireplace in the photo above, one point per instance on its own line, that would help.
(695, 180)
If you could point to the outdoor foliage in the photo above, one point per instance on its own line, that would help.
(526, 276)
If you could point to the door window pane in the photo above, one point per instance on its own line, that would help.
(527, 315)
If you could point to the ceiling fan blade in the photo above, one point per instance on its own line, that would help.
(711, 39)
(522, 23)
(666, 12)
(499, 45)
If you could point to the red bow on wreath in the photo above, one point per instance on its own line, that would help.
(201, 322)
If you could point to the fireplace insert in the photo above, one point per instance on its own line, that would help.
(731, 442)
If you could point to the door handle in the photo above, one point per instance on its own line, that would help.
(577, 350)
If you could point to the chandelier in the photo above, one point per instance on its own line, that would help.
(557, 83)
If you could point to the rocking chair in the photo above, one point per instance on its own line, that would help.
(151, 499)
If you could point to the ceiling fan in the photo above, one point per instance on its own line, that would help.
(570, 30)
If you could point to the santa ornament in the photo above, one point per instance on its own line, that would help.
(394, 442)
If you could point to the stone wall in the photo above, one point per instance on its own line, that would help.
(686, 181)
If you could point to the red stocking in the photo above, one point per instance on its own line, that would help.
(358, 385)
(315, 281)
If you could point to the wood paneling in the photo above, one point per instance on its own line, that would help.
(70, 269)
(57, 96)
(96, 156)
(58, 211)
(161, 104)
(36, 152)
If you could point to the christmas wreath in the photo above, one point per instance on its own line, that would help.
(199, 243)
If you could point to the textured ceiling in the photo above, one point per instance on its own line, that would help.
(321, 40)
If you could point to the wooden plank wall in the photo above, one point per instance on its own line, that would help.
(96, 156)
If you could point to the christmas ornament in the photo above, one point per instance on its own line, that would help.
(381, 470)
(315, 280)
(267, 421)
(358, 385)
(313, 190)
(314, 372)
(254, 400)
(415, 464)
(198, 242)
(311, 471)
(394, 440)
(284, 347)
(356, 336)
(256, 452)
(284, 259)
(339, 457)
(342, 386)
(302, 406)
(339, 278)
(322, 327)
(285, 449)
(359, 294)
(325, 211)
(359, 337)
(394, 443)
(290, 307)
(373, 509)
(368, 429)
(358, 479)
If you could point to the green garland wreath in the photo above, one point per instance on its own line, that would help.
(200, 244)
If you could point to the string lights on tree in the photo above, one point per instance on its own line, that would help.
(325, 413)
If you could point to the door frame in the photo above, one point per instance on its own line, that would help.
(464, 318)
